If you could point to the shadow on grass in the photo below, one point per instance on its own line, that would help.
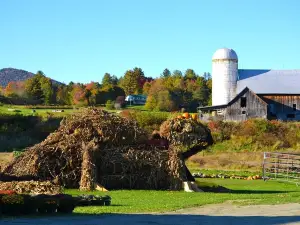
(258, 192)
(220, 189)
(135, 219)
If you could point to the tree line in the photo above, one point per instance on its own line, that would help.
(169, 92)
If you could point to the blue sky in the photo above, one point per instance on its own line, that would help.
(81, 40)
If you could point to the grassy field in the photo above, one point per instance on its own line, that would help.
(241, 192)
(14, 109)
(245, 161)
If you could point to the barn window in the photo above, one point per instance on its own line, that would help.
(243, 102)
(294, 107)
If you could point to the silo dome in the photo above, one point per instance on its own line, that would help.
(225, 53)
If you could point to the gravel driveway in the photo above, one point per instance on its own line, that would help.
(223, 214)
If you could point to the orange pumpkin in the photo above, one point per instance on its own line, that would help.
(194, 116)
(179, 117)
(186, 115)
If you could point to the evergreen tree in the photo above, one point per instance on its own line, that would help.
(177, 74)
(107, 80)
(166, 73)
(33, 88)
(47, 89)
(190, 74)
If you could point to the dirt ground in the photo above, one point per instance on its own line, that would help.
(223, 214)
(5, 158)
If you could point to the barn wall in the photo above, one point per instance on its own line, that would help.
(282, 105)
(255, 108)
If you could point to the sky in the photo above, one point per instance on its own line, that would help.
(80, 40)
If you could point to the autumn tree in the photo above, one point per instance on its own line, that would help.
(10, 89)
(62, 95)
(78, 95)
(14, 89)
(133, 81)
(91, 91)
(160, 98)
(146, 88)
(1, 91)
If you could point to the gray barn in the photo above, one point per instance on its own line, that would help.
(244, 94)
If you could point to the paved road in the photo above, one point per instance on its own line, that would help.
(223, 214)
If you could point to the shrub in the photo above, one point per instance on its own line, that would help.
(148, 120)
(109, 105)
(10, 199)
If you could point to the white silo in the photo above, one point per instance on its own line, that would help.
(224, 76)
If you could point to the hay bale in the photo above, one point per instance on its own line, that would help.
(88, 167)
(97, 146)
(31, 187)
(188, 136)
(140, 167)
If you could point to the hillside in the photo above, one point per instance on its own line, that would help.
(11, 74)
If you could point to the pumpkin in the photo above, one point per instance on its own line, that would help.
(186, 115)
(179, 117)
(194, 116)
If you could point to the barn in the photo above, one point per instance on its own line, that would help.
(241, 94)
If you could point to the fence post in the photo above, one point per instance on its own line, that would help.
(264, 167)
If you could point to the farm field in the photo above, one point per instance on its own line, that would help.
(231, 161)
(242, 192)
(23, 110)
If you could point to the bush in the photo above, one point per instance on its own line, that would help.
(109, 105)
(256, 135)
(12, 204)
(148, 120)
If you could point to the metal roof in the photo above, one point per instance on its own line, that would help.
(270, 81)
(225, 53)
(214, 107)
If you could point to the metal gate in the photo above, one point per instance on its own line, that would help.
(281, 166)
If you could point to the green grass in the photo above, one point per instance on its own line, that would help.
(242, 192)
(137, 107)
(227, 172)
(4, 109)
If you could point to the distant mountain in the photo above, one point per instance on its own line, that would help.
(11, 74)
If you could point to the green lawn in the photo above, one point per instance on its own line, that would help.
(7, 109)
(242, 173)
(242, 192)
